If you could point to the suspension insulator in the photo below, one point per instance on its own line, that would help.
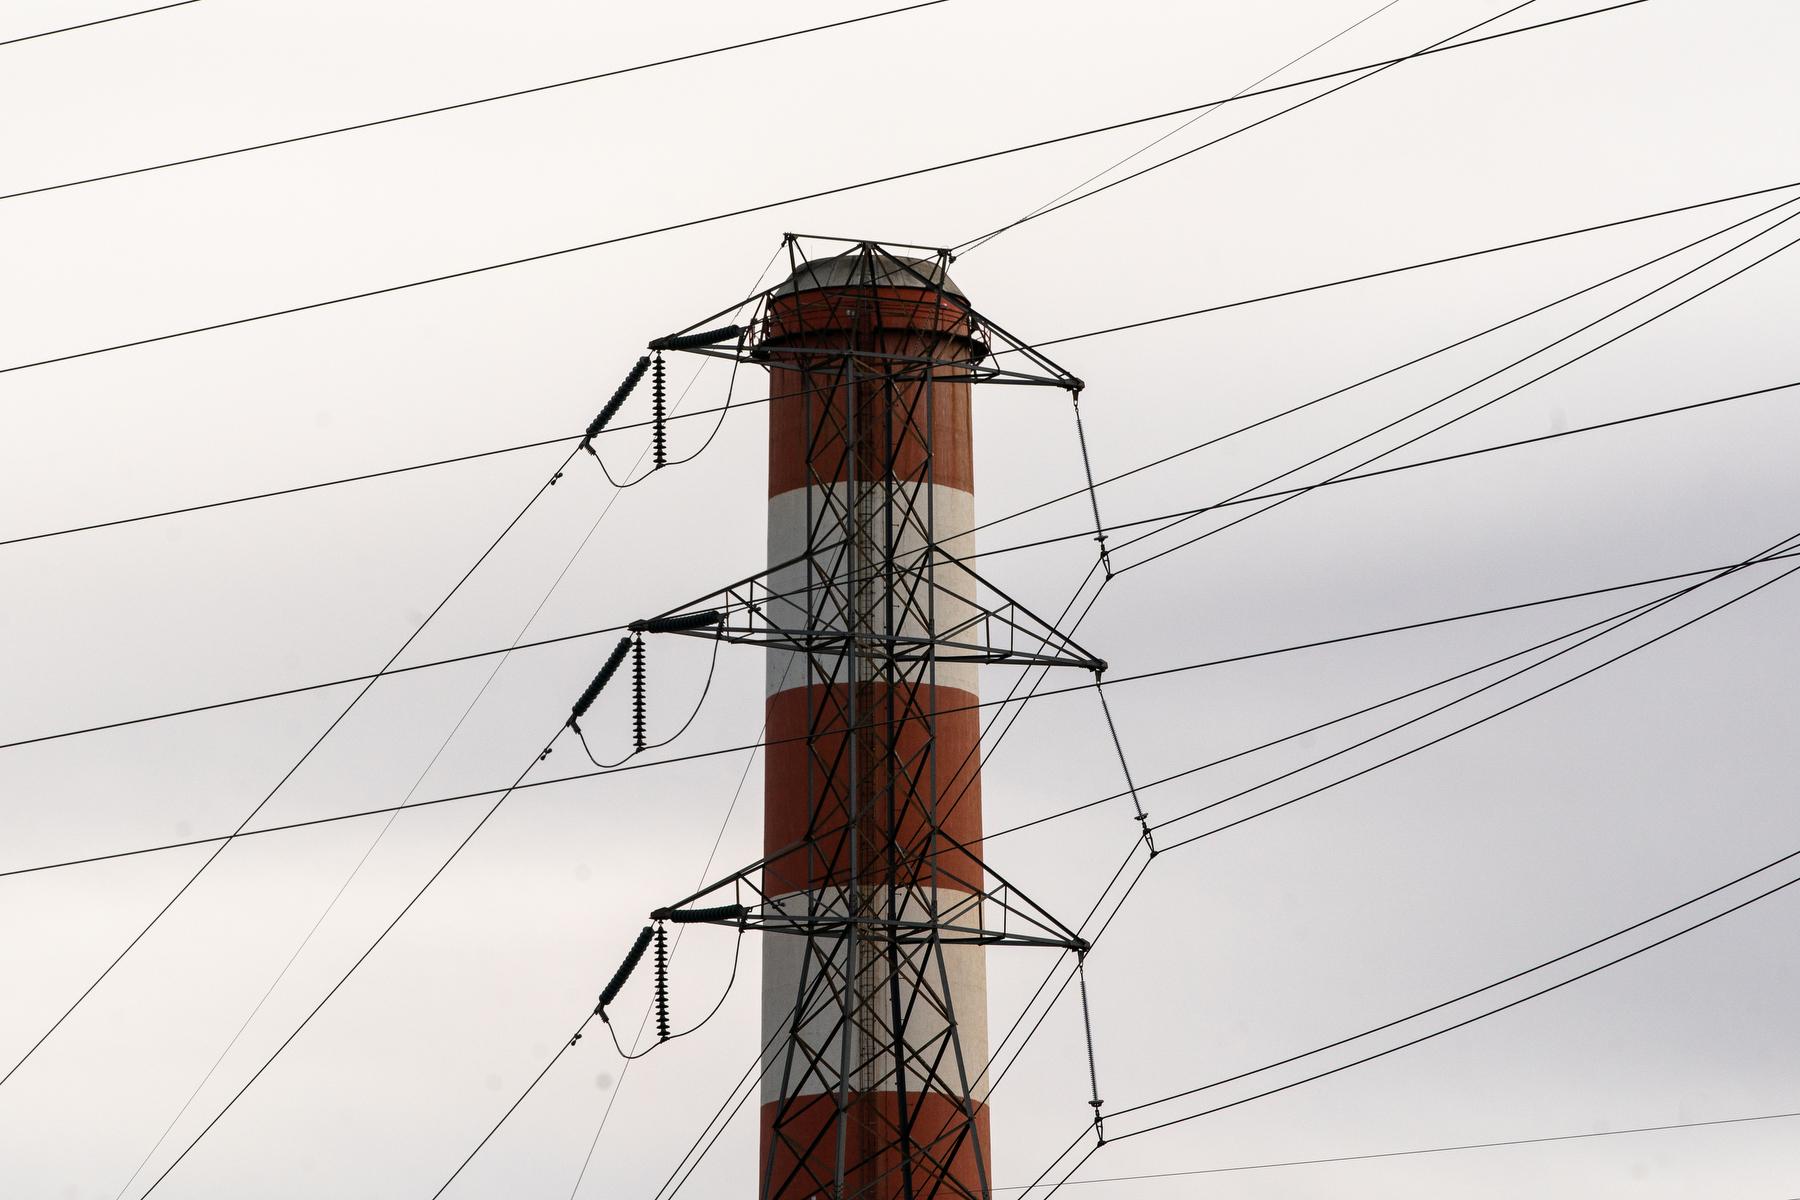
(638, 698)
(632, 379)
(659, 396)
(636, 955)
(706, 337)
(678, 624)
(607, 671)
(662, 984)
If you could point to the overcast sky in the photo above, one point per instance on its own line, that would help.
(1603, 803)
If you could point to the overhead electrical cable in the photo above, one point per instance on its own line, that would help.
(1050, 976)
(419, 894)
(1238, 431)
(1187, 124)
(524, 628)
(1130, 887)
(1471, 993)
(1119, 904)
(289, 774)
(461, 104)
(1437, 1033)
(748, 209)
(1492, 1145)
(1488, 403)
(1072, 337)
(705, 872)
(1087, 533)
(1140, 874)
(405, 803)
(1334, 481)
(1390, 271)
(1484, 719)
(290, 491)
(1065, 200)
(1443, 681)
(1156, 673)
(1110, 573)
(142, 12)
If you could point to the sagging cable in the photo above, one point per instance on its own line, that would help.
(634, 377)
(706, 337)
(613, 986)
(607, 671)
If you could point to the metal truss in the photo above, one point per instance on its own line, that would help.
(876, 902)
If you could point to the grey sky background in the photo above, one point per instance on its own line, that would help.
(1643, 785)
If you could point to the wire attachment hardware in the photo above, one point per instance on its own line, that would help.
(659, 414)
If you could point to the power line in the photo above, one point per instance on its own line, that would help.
(1345, 1158)
(1065, 201)
(345, 978)
(568, 1043)
(291, 491)
(1118, 906)
(976, 243)
(1473, 992)
(1036, 543)
(1382, 274)
(1379, 375)
(1068, 338)
(1603, 664)
(1254, 497)
(1436, 1033)
(754, 208)
(289, 774)
(1125, 896)
(543, 600)
(444, 108)
(309, 687)
(1410, 693)
(1156, 673)
(1512, 391)
(142, 12)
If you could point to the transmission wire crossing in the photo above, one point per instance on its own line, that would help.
(444, 108)
(289, 774)
(1053, 341)
(1064, 201)
(765, 206)
(1762, 556)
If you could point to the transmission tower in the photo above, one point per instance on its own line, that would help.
(873, 890)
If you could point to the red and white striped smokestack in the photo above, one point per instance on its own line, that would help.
(878, 1089)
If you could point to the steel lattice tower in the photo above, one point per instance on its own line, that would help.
(874, 993)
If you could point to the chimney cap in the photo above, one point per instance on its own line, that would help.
(867, 268)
